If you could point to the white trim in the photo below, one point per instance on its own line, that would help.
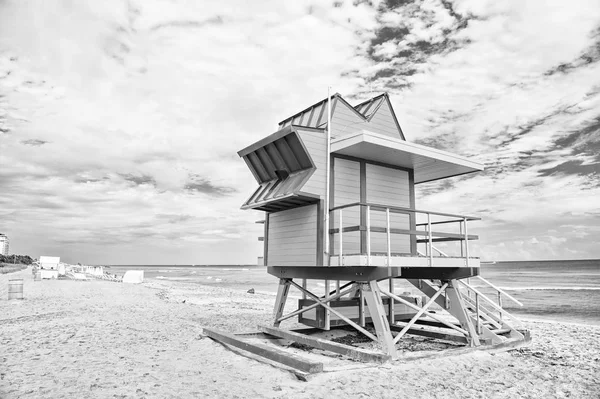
(338, 145)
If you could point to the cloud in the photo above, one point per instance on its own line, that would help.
(120, 121)
(203, 185)
(34, 142)
(139, 180)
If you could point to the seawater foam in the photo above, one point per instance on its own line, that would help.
(550, 288)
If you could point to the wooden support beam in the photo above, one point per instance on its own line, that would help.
(314, 305)
(338, 314)
(432, 315)
(346, 350)
(282, 294)
(376, 310)
(274, 354)
(458, 309)
(368, 273)
(430, 333)
(420, 313)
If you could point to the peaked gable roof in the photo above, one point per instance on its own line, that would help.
(377, 109)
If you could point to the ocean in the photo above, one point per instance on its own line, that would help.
(564, 291)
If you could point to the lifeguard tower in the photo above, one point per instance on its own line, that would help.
(337, 185)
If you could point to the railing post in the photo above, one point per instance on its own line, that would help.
(389, 264)
(430, 239)
(477, 313)
(460, 225)
(327, 325)
(466, 242)
(368, 235)
(341, 239)
(500, 303)
(389, 238)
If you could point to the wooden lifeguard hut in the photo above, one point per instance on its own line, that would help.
(337, 185)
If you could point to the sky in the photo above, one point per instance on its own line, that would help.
(120, 120)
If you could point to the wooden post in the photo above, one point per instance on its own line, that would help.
(327, 326)
(389, 264)
(500, 304)
(341, 240)
(460, 225)
(477, 314)
(368, 235)
(282, 293)
(361, 306)
(430, 240)
(466, 242)
(304, 286)
(459, 310)
(384, 334)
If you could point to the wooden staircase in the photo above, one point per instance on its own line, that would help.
(482, 321)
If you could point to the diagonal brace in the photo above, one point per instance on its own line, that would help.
(314, 305)
(332, 310)
(432, 315)
(419, 313)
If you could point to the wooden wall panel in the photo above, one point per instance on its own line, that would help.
(315, 143)
(388, 186)
(346, 188)
(383, 122)
(345, 120)
(293, 237)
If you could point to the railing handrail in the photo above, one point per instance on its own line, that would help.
(403, 209)
(488, 300)
(501, 291)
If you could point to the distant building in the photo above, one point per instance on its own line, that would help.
(3, 244)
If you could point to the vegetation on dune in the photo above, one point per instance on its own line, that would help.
(16, 259)
(14, 263)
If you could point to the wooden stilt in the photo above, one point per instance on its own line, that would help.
(361, 306)
(282, 293)
(384, 335)
(458, 309)
(304, 284)
(391, 311)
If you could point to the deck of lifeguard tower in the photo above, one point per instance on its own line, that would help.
(338, 195)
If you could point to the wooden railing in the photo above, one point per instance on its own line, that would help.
(426, 236)
(484, 306)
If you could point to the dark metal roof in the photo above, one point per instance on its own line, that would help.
(281, 165)
(316, 115)
(369, 107)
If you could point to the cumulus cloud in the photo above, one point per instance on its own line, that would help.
(120, 121)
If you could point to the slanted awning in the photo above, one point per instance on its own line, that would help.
(281, 165)
(428, 163)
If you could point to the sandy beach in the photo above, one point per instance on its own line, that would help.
(99, 339)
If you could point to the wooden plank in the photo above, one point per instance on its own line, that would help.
(276, 355)
(368, 273)
(346, 350)
(431, 334)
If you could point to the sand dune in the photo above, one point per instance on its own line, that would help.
(98, 339)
